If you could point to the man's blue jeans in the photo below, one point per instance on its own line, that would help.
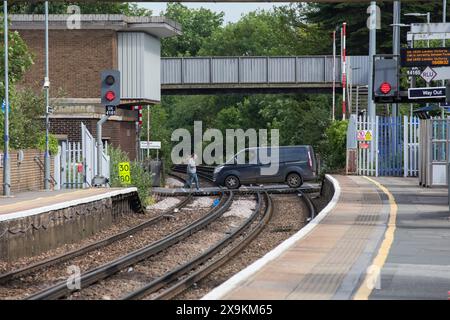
(192, 177)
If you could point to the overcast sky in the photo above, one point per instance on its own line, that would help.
(233, 11)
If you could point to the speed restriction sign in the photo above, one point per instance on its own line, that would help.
(124, 173)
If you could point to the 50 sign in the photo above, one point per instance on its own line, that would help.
(124, 173)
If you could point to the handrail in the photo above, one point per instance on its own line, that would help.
(41, 166)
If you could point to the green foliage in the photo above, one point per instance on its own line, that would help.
(25, 125)
(328, 16)
(86, 7)
(52, 144)
(20, 59)
(159, 131)
(139, 178)
(274, 32)
(333, 146)
(197, 26)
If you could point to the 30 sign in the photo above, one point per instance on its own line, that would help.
(124, 173)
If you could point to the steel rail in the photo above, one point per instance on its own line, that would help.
(176, 273)
(185, 283)
(242, 191)
(309, 204)
(61, 289)
(88, 248)
(199, 173)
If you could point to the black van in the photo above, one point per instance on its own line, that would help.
(296, 164)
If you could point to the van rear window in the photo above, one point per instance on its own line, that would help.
(293, 154)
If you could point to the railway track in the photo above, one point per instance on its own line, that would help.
(181, 278)
(202, 171)
(6, 277)
(90, 277)
(176, 281)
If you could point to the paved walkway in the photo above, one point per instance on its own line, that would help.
(332, 261)
(418, 264)
(37, 199)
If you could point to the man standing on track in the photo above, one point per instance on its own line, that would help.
(192, 172)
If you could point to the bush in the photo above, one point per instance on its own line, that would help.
(333, 146)
(140, 179)
(52, 144)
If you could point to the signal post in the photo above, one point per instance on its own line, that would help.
(110, 99)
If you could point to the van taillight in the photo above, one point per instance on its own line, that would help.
(310, 160)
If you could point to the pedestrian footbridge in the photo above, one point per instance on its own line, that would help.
(203, 75)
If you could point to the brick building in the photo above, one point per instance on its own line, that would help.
(77, 56)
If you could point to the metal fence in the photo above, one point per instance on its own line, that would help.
(434, 156)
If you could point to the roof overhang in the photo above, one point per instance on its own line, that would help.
(160, 27)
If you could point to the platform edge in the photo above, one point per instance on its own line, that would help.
(226, 287)
(65, 204)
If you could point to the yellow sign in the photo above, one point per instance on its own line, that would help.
(124, 173)
(364, 135)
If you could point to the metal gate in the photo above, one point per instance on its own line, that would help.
(394, 150)
(77, 162)
(88, 145)
(411, 135)
(390, 146)
(368, 158)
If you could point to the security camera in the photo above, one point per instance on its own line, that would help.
(46, 83)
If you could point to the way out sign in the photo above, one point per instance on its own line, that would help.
(124, 173)
(364, 135)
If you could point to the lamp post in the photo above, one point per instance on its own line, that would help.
(6, 165)
(47, 99)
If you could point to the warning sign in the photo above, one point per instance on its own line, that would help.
(363, 145)
(364, 135)
(124, 173)
(425, 57)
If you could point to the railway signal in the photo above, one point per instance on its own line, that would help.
(110, 88)
(386, 83)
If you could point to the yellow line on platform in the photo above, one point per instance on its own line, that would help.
(374, 270)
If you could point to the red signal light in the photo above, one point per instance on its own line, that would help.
(110, 96)
(385, 88)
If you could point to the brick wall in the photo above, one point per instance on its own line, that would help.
(76, 60)
(27, 175)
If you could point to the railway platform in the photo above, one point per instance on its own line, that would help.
(379, 238)
(33, 222)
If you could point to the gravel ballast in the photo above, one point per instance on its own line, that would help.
(41, 279)
(290, 215)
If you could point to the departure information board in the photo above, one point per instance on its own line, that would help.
(425, 57)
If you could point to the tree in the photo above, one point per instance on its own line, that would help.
(329, 16)
(130, 9)
(19, 59)
(273, 32)
(197, 27)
